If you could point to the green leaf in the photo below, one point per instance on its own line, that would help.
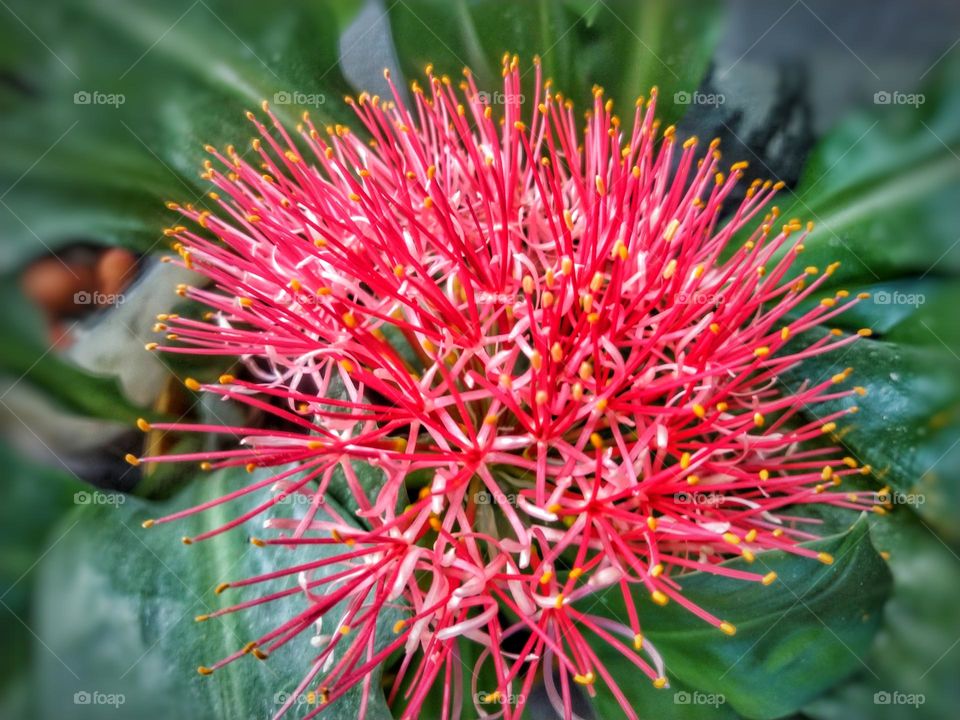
(795, 638)
(906, 426)
(128, 627)
(28, 360)
(882, 189)
(912, 654)
(626, 46)
(178, 75)
(35, 499)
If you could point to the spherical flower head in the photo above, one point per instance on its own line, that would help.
(558, 345)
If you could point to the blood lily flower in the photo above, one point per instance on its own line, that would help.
(558, 347)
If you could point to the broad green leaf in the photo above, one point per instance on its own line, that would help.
(795, 638)
(906, 426)
(883, 189)
(911, 669)
(106, 137)
(128, 624)
(35, 499)
(625, 46)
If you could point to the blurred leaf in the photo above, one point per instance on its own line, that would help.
(35, 499)
(28, 359)
(128, 627)
(884, 190)
(913, 654)
(814, 617)
(909, 421)
(626, 46)
(105, 137)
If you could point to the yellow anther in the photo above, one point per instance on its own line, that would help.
(147, 524)
(659, 597)
(132, 459)
(699, 410)
(731, 538)
(825, 557)
(204, 670)
(670, 269)
(685, 461)
(637, 641)
(652, 522)
(762, 351)
(769, 578)
(828, 427)
(536, 360)
(728, 628)
(671, 230)
(758, 419)
(660, 683)
(587, 679)
(596, 441)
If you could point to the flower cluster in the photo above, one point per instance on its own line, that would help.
(556, 350)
